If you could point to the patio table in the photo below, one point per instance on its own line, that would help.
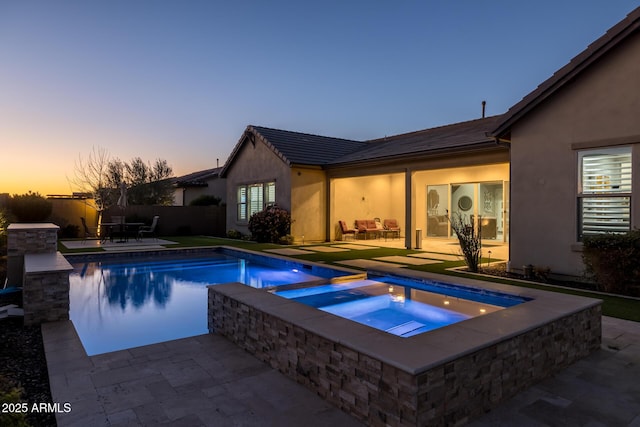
(123, 228)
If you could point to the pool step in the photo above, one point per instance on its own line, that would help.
(405, 328)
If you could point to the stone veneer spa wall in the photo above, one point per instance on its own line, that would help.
(443, 377)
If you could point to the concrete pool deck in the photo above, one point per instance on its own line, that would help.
(208, 381)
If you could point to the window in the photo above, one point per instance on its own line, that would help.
(242, 203)
(604, 191)
(253, 198)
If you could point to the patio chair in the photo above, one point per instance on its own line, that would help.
(391, 225)
(89, 232)
(148, 229)
(346, 231)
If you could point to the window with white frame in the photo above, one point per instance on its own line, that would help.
(604, 191)
(253, 198)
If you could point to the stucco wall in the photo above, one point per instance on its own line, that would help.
(254, 164)
(68, 211)
(308, 204)
(183, 196)
(600, 108)
(368, 197)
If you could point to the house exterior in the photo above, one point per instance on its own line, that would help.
(575, 153)
(561, 164)
(322, 180)
(271, 166)
(205, 182)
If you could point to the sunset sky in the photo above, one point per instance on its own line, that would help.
(180, 80)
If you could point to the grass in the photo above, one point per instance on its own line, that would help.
(614, 306)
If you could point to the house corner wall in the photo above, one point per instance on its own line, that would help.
(599, 108)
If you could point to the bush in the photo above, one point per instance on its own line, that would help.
(234, 234)
(10, 394)
(4, 223)
(286, 240)
(269, 225)
(611, 260)
(206, 200)
(469, 239)
(30, 207)
(69, 231)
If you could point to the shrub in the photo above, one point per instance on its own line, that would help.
(10, 394)
(270, 224)
(206, 200)
(611, 260)
(69, 231)
(234, 234)
(469, 239)
(30, 207)
(286, 240)
(4, 223)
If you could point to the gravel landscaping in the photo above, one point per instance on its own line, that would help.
(23, 364)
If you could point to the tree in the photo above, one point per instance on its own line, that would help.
(91, 176)
(206, 200)
(101, 176)
(30, 207)
(149, 184)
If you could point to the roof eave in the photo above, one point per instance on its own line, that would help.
(464, 149)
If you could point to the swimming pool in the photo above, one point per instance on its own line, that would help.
(401, 306)
(123, 302)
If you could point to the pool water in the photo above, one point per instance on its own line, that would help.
(116, 304)
(397, 308)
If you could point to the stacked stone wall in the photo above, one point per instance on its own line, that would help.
(35, 264)
(46, 297)
(40, 239)
(380, 393)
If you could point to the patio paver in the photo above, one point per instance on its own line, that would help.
(199, 381)
(368, 263)
(441, 257)
(289, 251)
(408, 260)
(355, 247)
(326, 249)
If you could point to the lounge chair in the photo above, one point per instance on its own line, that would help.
(148, 229)
(346, 231)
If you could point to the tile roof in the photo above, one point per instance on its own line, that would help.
(616, 34)
(306, 149)
(296, 148)
(457, 136)
(196, 179)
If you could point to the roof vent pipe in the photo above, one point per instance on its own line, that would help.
(484, 104)
(217, 163)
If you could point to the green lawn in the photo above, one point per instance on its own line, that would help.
(624, 308)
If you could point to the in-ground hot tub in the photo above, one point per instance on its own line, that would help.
(444, 376)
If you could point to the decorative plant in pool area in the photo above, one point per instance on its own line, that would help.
(270, 224)
(469, 239)
(612, 261)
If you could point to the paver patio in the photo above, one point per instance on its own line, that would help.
(207, 381)
(199, 381)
